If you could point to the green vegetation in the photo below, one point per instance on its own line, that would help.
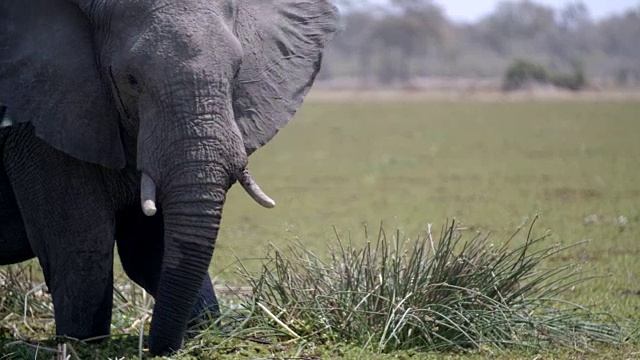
(523, 73)
(427, 295)
(491, 166)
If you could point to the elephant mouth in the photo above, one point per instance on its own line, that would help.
(148, 192)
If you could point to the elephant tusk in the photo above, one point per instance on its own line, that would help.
(249, 185)
(148, 195)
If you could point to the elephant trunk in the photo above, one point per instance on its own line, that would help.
(189, 243)
(192, 214)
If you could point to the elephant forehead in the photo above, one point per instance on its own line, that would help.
(173, 30)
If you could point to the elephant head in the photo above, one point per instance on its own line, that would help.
(198, 85)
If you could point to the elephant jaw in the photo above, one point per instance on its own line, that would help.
(148, 192)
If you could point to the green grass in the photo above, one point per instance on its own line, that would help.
(491, 166)
(429, 294)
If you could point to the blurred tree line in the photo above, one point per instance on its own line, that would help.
(409, 39)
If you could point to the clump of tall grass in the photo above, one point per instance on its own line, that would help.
(451, 294)
(24, 302)
(27, 317)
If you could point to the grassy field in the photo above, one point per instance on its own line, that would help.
(492, 166)
(489, 166)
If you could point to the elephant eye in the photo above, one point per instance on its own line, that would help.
(132, 80)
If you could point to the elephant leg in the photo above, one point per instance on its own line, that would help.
(140, 242)
(14, 245)
(70, 225)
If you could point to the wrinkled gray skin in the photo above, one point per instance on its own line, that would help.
(101, 92)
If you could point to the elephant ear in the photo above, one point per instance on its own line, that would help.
(282, 43)
(49, 77)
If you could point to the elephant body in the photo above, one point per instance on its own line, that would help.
(80, 277)
(129, 122)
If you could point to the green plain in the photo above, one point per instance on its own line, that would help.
(491, 166)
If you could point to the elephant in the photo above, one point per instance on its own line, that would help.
(130, 121)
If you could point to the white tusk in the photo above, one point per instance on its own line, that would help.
(250, 186)
(148, 195)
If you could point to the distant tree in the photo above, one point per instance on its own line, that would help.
(573, 38)
(514, 23)
(521, 19)
(408, 30)
(575, 17)
(355, 42)
(620, 40)
(621, 34)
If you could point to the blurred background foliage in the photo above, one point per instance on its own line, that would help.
(407, 42)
